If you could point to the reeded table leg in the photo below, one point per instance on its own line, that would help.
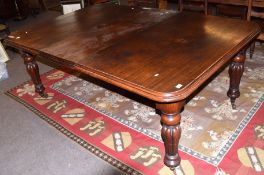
(236, 70)
(171, 131)
(33, 71)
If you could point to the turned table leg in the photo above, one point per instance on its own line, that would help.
(33, 71)
(236, 70)
(171, 131)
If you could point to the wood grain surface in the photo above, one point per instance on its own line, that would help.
(157, 54)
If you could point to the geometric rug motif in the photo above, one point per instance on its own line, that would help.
(208, 116)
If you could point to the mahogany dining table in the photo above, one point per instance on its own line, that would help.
(160, 55)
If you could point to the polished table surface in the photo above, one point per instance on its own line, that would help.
(129, 47)
(161, 55)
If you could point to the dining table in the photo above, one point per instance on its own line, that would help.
(161, 55)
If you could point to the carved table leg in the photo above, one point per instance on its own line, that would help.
(33, 71)
(171, 131)
(236, 70)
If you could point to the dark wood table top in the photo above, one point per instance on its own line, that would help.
(160, 55)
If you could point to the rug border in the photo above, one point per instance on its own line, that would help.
(91, 148)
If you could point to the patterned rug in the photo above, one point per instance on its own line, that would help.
(124, 129)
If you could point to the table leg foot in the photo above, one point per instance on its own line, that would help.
(33, 71)
(171, 131)
(236, 70)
